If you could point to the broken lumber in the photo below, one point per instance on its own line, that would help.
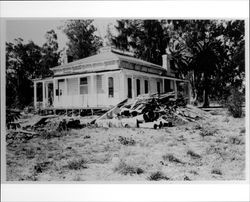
(110, 111)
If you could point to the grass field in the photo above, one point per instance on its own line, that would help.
(213, 149)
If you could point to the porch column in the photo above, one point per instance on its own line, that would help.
(66, 97)
(189, 93)
(44, 99)
(163, 86)
(92, 100)
(122, 90)
(35, 96)
(133, 87)
(66, 86)
(175, 88)
(54, 91)
(78, 85)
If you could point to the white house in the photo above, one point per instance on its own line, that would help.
(103, 80)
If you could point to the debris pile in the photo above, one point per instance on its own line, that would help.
(151, 111)
(56, 123)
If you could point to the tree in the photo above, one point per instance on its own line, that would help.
(82, 39)
(146, 38)
(22, 60)
(50, 54)
(211, 55)
(25, 62)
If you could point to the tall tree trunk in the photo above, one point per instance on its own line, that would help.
(206, 91)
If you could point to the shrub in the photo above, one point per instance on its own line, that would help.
(236, 140)
(216, 171)
(234, 103)
(125, 169)
(156, 176)
(53, 134)
(40, 167)
(126, 141)
(207, 131)
(77, 164)
(193, 154)
(171, 158)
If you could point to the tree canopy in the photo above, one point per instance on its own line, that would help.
(210, 53)
(83, 41)
(24, 62)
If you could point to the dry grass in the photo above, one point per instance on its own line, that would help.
(126, 154)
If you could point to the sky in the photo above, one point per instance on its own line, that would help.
(36, 29)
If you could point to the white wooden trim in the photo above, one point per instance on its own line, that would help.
(35, 95)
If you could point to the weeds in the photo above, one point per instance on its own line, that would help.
(126, 141)
(243, 130)
(30, 153)
(41, 167)
(234, 103)
(53, 134)
(235, 140)
(77, 164)
(156, 176)
(193, 154)
(171, 158)
(207, 131)
(216, 171)
(126, 169)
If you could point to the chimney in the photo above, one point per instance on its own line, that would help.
(105, 49)
(63, 57)
(166, 63)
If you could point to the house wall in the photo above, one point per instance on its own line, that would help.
(97, 91)
(152, 82)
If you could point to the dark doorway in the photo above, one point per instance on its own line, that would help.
(146, 86)
(158, 87)
(138, 86)
(167, 85)
(129, 88)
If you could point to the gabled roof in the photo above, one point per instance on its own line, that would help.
(107, 56)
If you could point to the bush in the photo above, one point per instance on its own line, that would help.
(41, 167)
(156, 176)
(216, 171)
(207, 131)
(193, 154)
(171, 158)
(234, 103)
(125, 169)
(77, 164)
(126, 141)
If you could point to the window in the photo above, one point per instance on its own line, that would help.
(39, 90)
(99, 83)
(146, 86)
(138, 86)
(111, 86)
(83, 85)
(158, 87)
(129, 88)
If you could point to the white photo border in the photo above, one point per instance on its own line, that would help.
(182, 9)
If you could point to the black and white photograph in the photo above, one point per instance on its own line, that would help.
(125, 100)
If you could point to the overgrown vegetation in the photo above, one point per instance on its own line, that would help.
(77, 164)
(156, 176)
(126, 141)
(191, 43)
(235, 102)
(171, 158)
(125, 169)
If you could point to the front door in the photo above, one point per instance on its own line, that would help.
(61, 89)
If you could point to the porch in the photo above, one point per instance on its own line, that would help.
(77, 91)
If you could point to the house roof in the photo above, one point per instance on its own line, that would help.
(107, 56)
